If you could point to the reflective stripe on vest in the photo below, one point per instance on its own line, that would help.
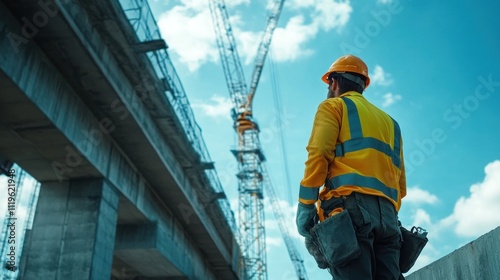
(361, 181)
(358, 142)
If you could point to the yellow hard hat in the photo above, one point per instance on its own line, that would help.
(348, 63)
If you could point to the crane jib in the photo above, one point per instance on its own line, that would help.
(252, 175)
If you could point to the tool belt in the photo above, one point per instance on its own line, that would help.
(329, 206)
(414, 241)
(333, 241)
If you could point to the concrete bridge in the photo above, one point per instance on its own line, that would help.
(91, 107)
(477, 260)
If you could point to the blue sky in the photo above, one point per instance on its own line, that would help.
(434, 68)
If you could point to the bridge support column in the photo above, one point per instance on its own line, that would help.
(73, 233)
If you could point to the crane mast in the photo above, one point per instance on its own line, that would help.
(251, 175)
(233, 71)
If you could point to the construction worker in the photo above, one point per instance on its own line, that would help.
(355, 154)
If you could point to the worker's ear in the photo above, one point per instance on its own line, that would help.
(334, 84)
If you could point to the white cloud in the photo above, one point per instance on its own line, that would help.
(247, 43)
(219, 107)
(188, 30)
(189, 35)
(288, 42)
(478, 213)
(472, 215)
(299, 4)
(329, 14)
(415, 195)
(234, 3)
(390, 99)
(380, 77)
(421, 218)
(324, 14)
(273, 241)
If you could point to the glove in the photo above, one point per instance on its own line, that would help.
(313, 249)
(305, 218)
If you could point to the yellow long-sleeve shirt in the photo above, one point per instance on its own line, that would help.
(354, 146)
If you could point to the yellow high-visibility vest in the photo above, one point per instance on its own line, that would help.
(354, 146)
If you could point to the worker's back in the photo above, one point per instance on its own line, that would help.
(368, 156)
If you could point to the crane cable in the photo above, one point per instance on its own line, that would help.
(279, 112)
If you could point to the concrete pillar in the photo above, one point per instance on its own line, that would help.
(73, 233)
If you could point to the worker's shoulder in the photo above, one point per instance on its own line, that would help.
(331, 105)
(331, 102)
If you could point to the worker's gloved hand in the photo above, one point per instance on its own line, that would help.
(313, 249)
(305, 218)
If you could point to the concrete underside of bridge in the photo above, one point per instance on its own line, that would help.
(123, 193)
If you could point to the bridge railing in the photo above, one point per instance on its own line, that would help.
(142, 20)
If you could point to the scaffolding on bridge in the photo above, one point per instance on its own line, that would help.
(142, 20)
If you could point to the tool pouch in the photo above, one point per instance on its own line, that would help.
(313, 249)
(337, 240)
(412, 246)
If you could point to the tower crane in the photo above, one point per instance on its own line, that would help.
(252, 175)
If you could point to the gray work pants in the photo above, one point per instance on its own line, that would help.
(376, 224)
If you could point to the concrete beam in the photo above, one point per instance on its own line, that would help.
(141, 245)
(478, 260)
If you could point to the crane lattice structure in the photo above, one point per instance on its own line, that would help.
(252, 175)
